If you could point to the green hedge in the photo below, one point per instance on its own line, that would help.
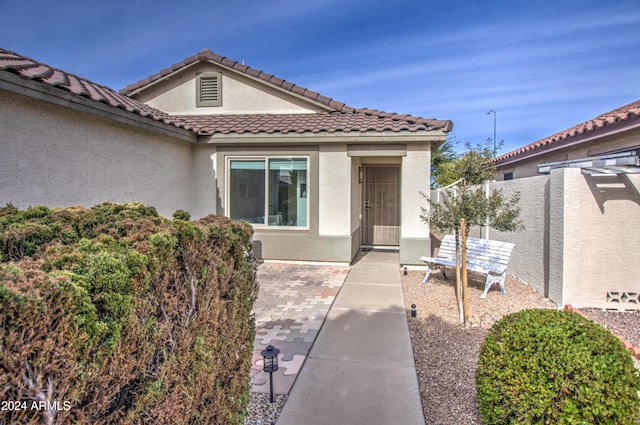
(555, 367)
(122, 316)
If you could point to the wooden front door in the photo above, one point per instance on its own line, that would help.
(381, 205)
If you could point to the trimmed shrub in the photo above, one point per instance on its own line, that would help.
(125, 317)
(181, 215)
(555, 367)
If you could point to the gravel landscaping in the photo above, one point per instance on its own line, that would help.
(625, 324)
(446, 353)
(262, 411)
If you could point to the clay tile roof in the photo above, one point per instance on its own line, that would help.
(340, 118)
(325, 122)
(208, 55)
(30, 69)
(618, 115)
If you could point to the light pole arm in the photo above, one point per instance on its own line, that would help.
(491, 111)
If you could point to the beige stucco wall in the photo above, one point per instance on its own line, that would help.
(205, 195)
(356, 195)
(240, 95)
(335, 197)
(415, 173)
(602, 239)
(58, 157)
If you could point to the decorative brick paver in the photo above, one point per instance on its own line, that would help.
(293, 302)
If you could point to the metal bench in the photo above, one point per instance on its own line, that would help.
(483, 255)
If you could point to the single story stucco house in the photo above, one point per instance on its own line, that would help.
(316, 178)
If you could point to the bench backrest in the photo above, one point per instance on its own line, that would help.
(479, 250)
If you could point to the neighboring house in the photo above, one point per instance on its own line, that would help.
(612, 132)
(316, 178)
(580, 204)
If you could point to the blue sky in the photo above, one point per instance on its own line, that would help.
(542, 65)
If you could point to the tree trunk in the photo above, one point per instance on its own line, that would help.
(465, 282)
(458, 282)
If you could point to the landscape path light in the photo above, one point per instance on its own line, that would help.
(270, 365)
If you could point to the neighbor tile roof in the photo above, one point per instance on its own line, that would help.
(30, 69)
(616, 116)
(344, 119)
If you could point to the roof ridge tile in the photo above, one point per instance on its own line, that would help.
(38, 71)
(240, 67)
(228, 62)
(264, 76)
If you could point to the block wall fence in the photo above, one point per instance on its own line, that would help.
(581, 242)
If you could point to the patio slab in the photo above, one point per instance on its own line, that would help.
(292, 303)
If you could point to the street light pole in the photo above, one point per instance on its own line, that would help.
(494, 130)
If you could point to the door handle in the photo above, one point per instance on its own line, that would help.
(366, 205)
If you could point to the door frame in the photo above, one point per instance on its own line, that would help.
(392, 241)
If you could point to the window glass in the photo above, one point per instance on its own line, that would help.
(247, 190)
(287, 192)
(271, 191)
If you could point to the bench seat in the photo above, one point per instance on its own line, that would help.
(483, 256)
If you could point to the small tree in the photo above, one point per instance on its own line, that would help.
(467, 205)
(442, 160)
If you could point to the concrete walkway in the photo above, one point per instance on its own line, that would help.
(360, 369)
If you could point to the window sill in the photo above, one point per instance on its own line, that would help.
(261, 227)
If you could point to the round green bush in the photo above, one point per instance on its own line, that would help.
(555, 367)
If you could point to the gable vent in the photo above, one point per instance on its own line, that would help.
(209, 89)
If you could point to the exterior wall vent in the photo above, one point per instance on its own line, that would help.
(619, 300)
(209, 89)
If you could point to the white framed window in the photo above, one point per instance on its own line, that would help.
(268, 191)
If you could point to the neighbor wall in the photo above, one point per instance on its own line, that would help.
(529, 260)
